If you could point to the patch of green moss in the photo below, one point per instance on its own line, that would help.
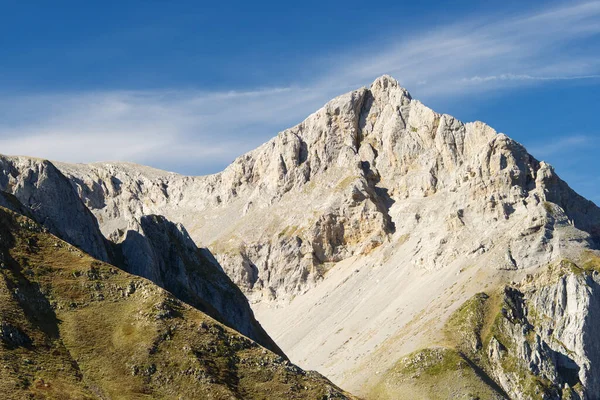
(592, 263)
(483, 318)
(430, 363)
(569, 266)
(531, 385)
(470, 331)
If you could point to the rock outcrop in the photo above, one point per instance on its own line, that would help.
(49, 197)
(547, 334)
(151, 247)
(529, 340)
(339, 184)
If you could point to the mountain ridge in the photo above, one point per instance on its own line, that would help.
(37, 189)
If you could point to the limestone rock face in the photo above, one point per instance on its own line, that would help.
(370, 163)
(73, 327)
(351, 216)
(570, 310)
(49, 197)
(161, 251)
(150, 246)
(547, 332)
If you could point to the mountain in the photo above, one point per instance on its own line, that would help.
(73, 327)
(151, 247)
(398, 251)
(369, 166)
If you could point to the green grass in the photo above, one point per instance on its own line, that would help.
(431, 363)
(549, 207)
(591, 262)
(434, 373)
(465, 325)
(461, 366)
(529, 384)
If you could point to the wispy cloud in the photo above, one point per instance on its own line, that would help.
(513, 77)
(562, 145)
(517, 50)
(208, 129)
(169, 129)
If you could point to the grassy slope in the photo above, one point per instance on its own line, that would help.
(76, 328)
(453, 369)
(459, 367)
(435, 373)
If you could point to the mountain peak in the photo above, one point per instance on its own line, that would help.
(387, 82)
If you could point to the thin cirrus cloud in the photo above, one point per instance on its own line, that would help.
(513, 77)
(158, 128)
(562, 145)
(208, 129)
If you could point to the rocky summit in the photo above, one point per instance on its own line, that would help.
(397, 251)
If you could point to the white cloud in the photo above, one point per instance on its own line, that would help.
(513, 77)
(159, 128)
(561, 145)
(538, 44)
(208, 129)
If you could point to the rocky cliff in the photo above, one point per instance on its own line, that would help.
(163, 252)
(547, 332)
(529, 340)
(48, 196)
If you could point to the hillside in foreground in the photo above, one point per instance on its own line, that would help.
(73, 327)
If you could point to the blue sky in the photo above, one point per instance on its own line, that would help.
(189, 85)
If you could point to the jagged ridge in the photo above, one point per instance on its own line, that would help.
(347, 164)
